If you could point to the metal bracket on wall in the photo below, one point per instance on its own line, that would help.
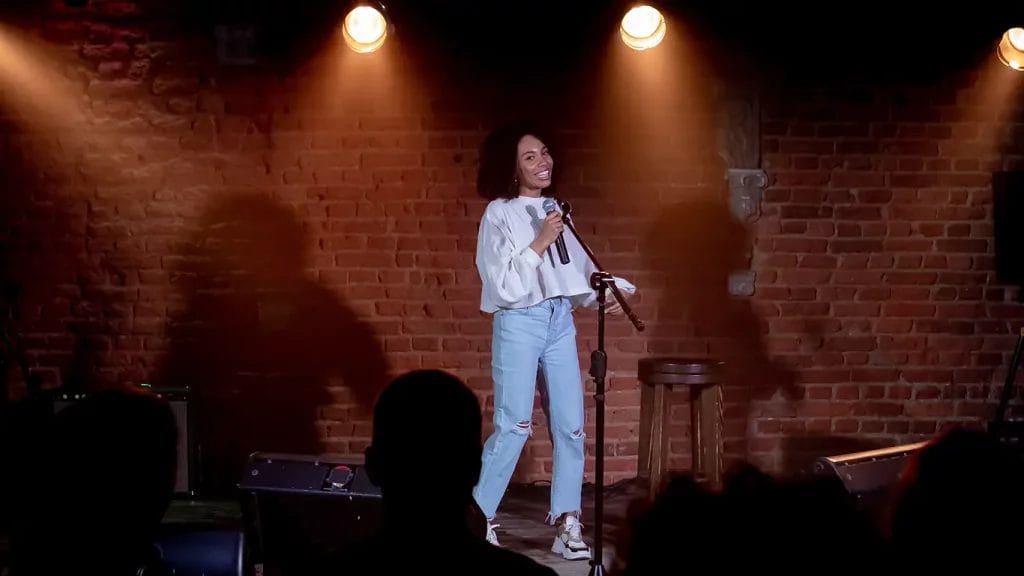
(739, 144)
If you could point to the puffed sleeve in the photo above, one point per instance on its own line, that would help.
(507, 271)
(589, 299)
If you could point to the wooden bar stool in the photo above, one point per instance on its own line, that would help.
(658, 377)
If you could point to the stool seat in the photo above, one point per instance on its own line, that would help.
(702, 376)
(686, 371)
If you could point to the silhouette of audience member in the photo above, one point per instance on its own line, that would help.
(98, 488)
(961, 500)
(769, 522)
(817, 515)
(683, 522)
(425, 457)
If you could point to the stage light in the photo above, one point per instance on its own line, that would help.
(643, 27)
(1011, 48)
(365, 28)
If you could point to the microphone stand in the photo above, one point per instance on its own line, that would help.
(601, 281)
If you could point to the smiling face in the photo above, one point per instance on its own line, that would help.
(534, 166)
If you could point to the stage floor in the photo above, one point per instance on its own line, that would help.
(523, 529)
(522, 521)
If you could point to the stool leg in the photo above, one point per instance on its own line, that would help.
(659, 439)
(697, 463)
(646, 414)
(711, 433)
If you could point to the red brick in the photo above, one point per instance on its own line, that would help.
(873, 252)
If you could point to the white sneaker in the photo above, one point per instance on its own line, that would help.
(492, 537)
(569, 540)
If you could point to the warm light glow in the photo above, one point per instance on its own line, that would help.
(1011, 48)
(643, 27)
(32, 83)
(365, 29)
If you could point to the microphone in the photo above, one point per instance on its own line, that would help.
(563, 254)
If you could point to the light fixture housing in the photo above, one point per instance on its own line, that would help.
(1011, 48)
(643, 27)
(366, 27)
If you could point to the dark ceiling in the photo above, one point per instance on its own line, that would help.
(830, 39)
(870, 36)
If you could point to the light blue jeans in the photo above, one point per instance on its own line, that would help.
(542, 336)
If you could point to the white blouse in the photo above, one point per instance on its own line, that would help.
(514, 276)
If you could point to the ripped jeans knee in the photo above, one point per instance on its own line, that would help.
(524, 427)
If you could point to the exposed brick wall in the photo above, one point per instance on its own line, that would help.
(284, 237)
(876, 256)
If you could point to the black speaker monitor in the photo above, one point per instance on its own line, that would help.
(871, 475)
(301, 510)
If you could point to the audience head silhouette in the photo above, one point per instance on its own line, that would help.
(425, 456)
(104, 478)
(426, 446)
(962, 491)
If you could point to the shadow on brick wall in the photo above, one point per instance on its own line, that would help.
(62, 291)
(696, 244)
(260, 341)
